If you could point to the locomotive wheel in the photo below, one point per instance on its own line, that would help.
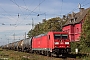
(45, 53)
(57, 55)
(49, 54)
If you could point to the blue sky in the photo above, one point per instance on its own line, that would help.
(28, 10)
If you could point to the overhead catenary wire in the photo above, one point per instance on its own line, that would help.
(26, 8)
(9, 18)
(11, 24)
(6, 13)
(83, 1)
(31, 11)
(24, 3)
(77, 8)
(86, 4)
(18, 7)
(36, 7)
(16, 4)
(18, 13)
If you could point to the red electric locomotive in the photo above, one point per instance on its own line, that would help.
(52, 42)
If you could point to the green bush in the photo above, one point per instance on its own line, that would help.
(75, 45)
(24, 59)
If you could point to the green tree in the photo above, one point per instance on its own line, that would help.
(53, 24)
(85, 35)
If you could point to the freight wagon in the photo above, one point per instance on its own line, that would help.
(27, 45)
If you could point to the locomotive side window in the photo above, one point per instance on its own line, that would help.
(64, 36)
(57, 36)
(49, 37)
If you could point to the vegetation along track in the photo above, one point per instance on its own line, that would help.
(15, 55)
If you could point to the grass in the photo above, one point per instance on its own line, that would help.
(15, 55)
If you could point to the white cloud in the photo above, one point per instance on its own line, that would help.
(10, 28)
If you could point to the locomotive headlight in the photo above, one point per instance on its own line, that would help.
(56, 43)
(66, 42)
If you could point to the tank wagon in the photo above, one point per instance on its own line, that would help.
(27, 45)
(20, 45)
(10, 46)
(15, 45)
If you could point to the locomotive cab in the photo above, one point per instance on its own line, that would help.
(61, 43)
(51, 42)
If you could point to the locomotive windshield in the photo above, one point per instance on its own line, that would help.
(57, 36)
(60, 36)
(64, 36)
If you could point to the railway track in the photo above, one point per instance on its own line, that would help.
(10, 54)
